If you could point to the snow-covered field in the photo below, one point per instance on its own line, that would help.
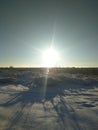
(65, 102)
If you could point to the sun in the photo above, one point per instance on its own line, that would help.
(50, 57)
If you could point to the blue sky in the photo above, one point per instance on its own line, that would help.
(28, 27)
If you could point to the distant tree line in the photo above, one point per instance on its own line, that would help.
(15, 71)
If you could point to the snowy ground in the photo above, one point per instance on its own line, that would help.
(66, 103)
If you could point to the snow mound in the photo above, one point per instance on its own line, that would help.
(15, 88)
(50, 81)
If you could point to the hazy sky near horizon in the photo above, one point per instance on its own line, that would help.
(28, 27)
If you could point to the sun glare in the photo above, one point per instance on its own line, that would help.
(50, 57)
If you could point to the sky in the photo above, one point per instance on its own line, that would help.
(29, 27)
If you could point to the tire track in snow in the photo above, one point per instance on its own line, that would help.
(66, 115)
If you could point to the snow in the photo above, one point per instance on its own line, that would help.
(66, 103)
(14, 88)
